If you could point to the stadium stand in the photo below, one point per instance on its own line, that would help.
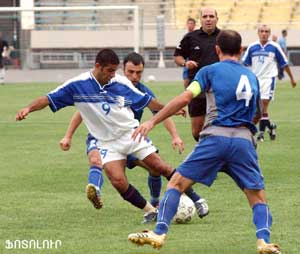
(94, 20)
(71, 38)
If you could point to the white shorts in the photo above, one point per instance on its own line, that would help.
(125, 145)
(267, 88)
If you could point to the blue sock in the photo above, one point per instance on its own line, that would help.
(262, 219)
(96, 177)
(192, 194)
(154, 184)
(167, 210)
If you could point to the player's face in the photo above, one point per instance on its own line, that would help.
(190, 26)
(209, 20)
(264, 34)
(105, 73)
(133, 72)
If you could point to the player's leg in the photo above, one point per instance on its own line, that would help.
(95, 177)
(197, 111)
(115, 171)
(267, 88)
(243, 168)
(154, 181)
(262, 219)
(201, 166)
(167, 210)
(197, 123)
(157, 165)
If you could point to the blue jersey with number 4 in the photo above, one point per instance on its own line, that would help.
(231, 101)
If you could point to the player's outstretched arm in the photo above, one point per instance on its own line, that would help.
(170, 109)
(38, 104)
(66, 142)
(176, 140)
(288, 71)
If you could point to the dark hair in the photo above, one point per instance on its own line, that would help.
(191, 20)
(229, 42)
(134, 58)
(106, 57)
(284, 31)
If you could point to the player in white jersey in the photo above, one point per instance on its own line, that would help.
(106, 102)
(133, 67)
(263, 56)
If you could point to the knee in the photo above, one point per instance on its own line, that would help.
(95, 161)
(120, 184)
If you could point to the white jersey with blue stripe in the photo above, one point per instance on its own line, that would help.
(263, 59)
(106, 110)
(232, 94)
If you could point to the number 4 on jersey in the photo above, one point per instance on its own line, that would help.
(243, 90)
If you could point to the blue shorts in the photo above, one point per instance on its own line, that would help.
(91, 144)
(233, 155)
(185, 73)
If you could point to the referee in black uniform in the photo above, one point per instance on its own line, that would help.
(197, 49)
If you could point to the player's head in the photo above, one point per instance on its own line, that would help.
(190, 24)
(229, 42)
(106, 64)
(274, 37)
(284, 33)
(209, 19)
(133, 67)
(263, 33)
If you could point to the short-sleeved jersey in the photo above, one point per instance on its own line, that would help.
(232, 93)
(282, 43)
(263, 59)
(144, 89)
(106, 110)
(199, 47)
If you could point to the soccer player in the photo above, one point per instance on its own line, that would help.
(282, 43)
(4, 52)
(227, 139)
(263, 57)
(196, 50)
(106, 102)
(190, 25)
(133, 67)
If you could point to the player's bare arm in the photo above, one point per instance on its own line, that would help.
(155, 105)
(288, 71)
(66, 142)
(176, 140)
(37, 104)
(170, 109)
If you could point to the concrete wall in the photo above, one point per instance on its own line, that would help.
(124, 39)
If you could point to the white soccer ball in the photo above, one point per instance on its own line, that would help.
(151, 78)
(186, 210)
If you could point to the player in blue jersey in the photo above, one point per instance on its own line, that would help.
(133, 67)
(232, 94)
(263, 56)
(106, 102)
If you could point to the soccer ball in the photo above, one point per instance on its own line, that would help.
(151, 78)
(186, 210)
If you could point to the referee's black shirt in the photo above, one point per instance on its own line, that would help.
(199, 47)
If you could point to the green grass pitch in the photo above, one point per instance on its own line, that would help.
(43, 197)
